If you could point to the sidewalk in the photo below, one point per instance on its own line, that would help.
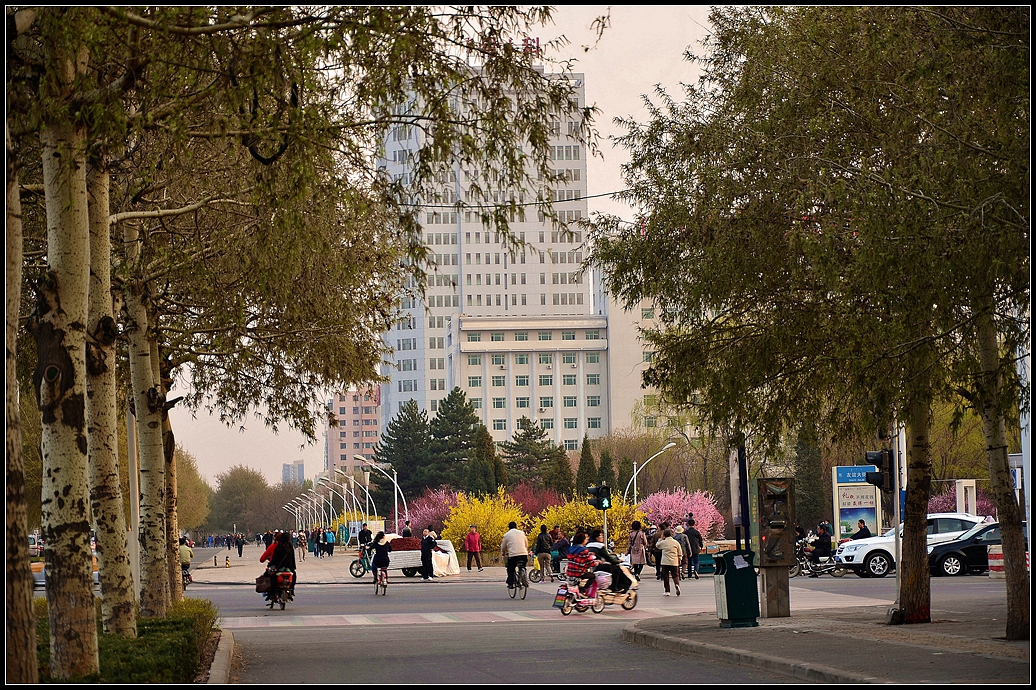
(851, 645)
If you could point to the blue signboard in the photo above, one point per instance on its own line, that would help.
(854, 475)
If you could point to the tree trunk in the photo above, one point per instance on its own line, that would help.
(21, 624)
(1009, 513)
(118, 594)
(172, 526)
(148, 402)
(60, 382)
(915, 594)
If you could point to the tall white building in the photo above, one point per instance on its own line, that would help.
(516, 329)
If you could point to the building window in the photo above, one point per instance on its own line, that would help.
(546, 335)
(499, 380)
(593, 422)
(499, 403)
(649, 356)
(570, 401)
(476, 403)
(546, 358)
(496, 360)
(568, 357)
(571, 444)
(571, 423)
(593, 357)
(474, 382)
(568, 380)
(568, 335)
(521, 337)
(522, 358)
(647, 313)
(593, 379)
(499, 425)
(521, 402)
(522, 380)
(593, 335)
(650, 401)
(474, 337)
(547, 424)
(475, 360)
(546, 379)
(497, 337)
(650, 422)
(546, 402)
(593, 401)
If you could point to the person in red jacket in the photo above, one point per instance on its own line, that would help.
(473, 545)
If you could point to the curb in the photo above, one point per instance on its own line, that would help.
(219, 672)
(814, 673)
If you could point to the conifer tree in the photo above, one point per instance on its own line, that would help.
(453, 431)
(481, 477)
(586, 473)
(606, 471)
(406, 446)
(558, 474)
(625, 472)
(527, 454)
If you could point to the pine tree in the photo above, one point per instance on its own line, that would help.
(625, 472)
(558, 475)
(606, 472)
(481, 477)
(586, 474)
(528, 453)
(406, 446)
(453, 432)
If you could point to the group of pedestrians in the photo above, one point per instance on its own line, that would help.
(674, 550)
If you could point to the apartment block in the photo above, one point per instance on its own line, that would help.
(358, 412)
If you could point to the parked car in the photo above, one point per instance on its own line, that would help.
(874, 556)
(39, 573)
(969, 553)
(35, 546)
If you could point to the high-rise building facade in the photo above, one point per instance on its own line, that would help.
(358, 413)
(293, 472)
(513, 327)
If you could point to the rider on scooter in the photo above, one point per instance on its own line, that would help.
(581, 560)
(821, 546)
(609, 562)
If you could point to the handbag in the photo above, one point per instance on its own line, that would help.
(263, 583)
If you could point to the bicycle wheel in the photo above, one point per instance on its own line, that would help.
(535, 576)
(513, 589)
(523, 583)
(356, 568)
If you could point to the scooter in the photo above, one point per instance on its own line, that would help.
(628, 599)
(284, 591)
(570, 597)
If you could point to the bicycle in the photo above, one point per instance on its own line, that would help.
(536, 573)
(521, 583)
(186, 574)
(360, 566)
(382, 582)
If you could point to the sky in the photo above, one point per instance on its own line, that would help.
(643, 47)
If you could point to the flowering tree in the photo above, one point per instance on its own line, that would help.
(490, 513)
(534, 500)
(672, 507)
(947, 503)
(431, 509)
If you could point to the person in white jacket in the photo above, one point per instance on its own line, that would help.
(514, 549)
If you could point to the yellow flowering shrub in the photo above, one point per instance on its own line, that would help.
(578, 513)
(490, 514)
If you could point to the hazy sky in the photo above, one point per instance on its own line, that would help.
(643, 46)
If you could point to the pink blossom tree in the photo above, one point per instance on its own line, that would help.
(947, 503)
(673, 507)
(431, 508)
(534, 500)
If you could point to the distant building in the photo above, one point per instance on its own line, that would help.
(358, 413)
(293, 472)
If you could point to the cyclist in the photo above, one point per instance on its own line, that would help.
(186, 554)
(515, 550)
(381, 547)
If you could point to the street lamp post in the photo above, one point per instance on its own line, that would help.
(369, 499)
(395, 484)
(636, 470)
(320, 499)
(346, 499)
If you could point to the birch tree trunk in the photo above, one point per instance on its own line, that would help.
(915, 594)
(1009, 513)
(118, 595)
(172, 526)
(148, 402)
(21, 624)
(60, 381)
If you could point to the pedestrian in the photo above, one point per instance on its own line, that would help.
(300, 542)
(407, 532)
(363, 537)
(239, 539)
(637, 549)
(544, 545)
(697, 544)
(654, 536)
(670, 560)
(322, 542)
(428, 545)
(561, 547)
(331, 539)
(473, 545)
(680, 535)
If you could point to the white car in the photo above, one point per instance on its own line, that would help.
(875, 556)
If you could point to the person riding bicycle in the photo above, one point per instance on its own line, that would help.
(581, 560)
(381, 548)
(514, 549)
(186, 554)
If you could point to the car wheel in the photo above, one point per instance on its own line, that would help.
(952, 565)
(878, 564)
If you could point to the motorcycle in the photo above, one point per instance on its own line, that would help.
(283, 591)
(826, 564)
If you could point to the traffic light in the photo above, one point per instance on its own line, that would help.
(885, 477)
(600, 496)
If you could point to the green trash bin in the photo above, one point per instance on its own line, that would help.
(737, 595)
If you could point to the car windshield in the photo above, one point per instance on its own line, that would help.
(973, 531)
